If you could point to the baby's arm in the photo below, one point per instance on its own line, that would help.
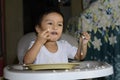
(31, 54)
(82, 48)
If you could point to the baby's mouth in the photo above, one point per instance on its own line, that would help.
(54, 33)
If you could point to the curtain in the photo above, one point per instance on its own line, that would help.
(102, 20)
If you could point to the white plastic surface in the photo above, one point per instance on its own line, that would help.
(86, 70)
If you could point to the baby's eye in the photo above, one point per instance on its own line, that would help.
(60, 24)
(50, 23)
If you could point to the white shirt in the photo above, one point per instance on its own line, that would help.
(65, 51)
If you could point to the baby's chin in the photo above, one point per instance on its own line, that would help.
(54, 39)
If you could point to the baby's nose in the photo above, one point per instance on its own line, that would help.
(54, 27)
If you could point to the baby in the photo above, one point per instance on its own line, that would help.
(47, 48)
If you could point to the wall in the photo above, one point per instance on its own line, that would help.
(13, 28)
(76, 7)
(66, 10)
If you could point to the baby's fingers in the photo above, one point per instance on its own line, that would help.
(43, 33)
(86, 36)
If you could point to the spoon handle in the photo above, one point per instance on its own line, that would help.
(81, 45)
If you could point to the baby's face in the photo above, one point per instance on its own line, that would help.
(54, 23)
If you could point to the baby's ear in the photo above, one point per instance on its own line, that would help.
(37, 28)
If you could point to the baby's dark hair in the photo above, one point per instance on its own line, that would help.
(46, 11)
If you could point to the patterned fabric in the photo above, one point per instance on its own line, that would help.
(102, 21)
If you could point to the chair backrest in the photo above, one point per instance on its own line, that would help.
(23, 45)
(72, 40)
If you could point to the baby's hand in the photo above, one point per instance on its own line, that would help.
(85, 37)
(43, 36)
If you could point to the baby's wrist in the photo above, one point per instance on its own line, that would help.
(40, 42)
(85, 45)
